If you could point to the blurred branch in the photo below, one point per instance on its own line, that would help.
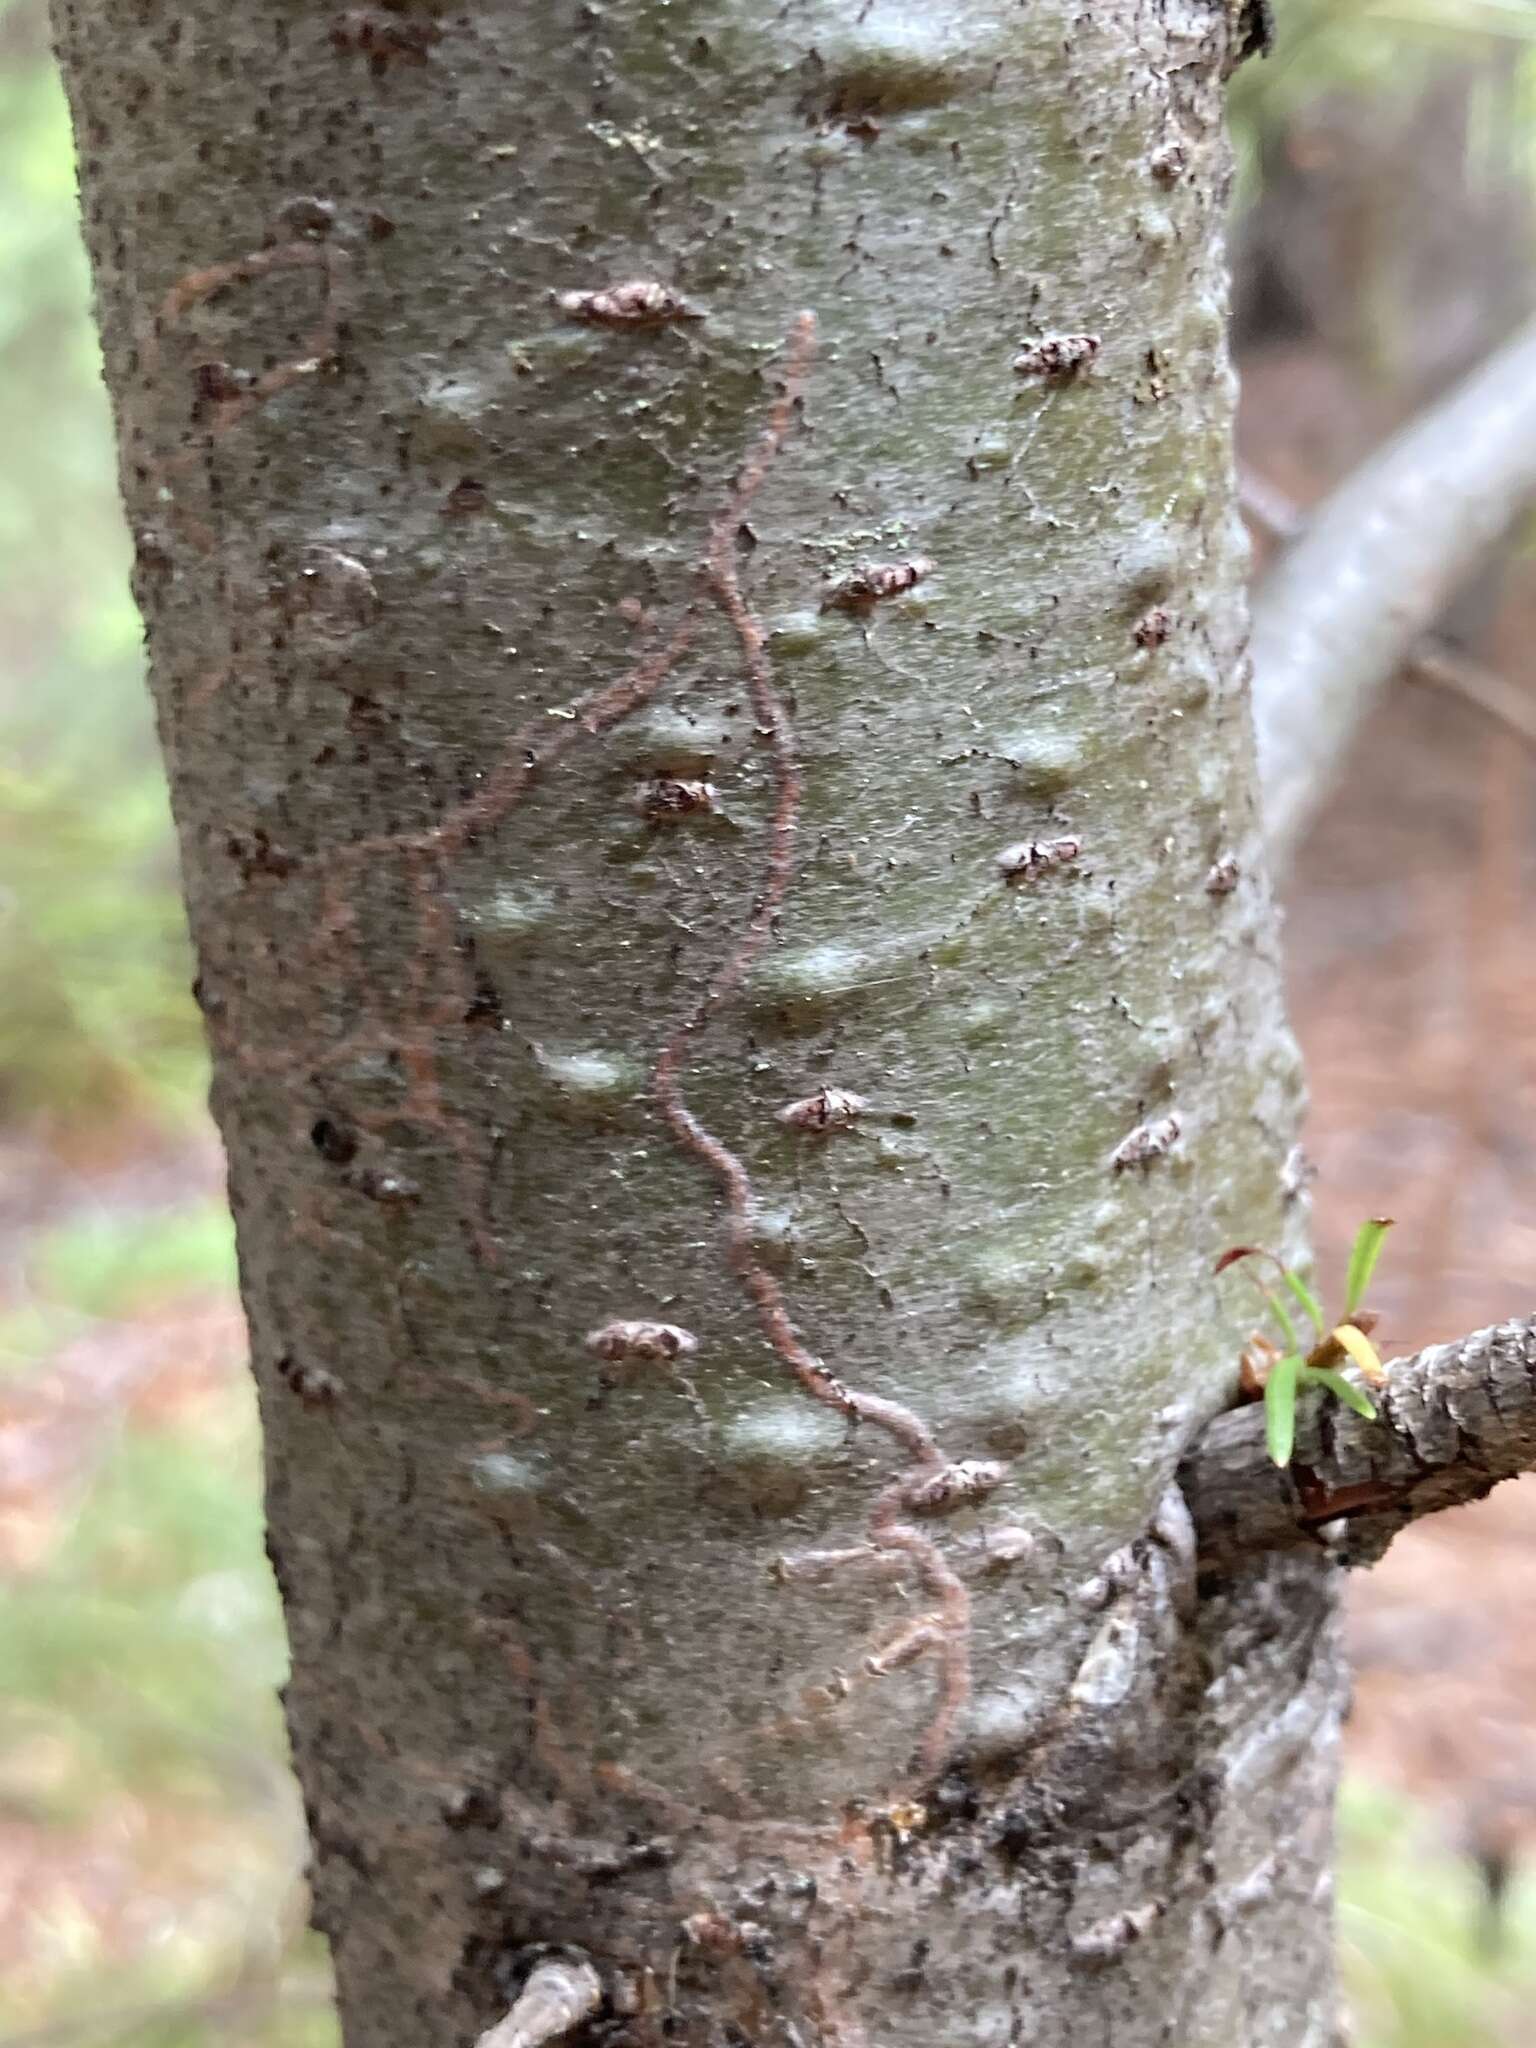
(1432, 660)
(1444, 668)
(1378, 562)
(1454, 1420)
(1267, 507)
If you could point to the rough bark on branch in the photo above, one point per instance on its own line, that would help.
(1454, 1420)
(1376, 567)
(726, 1199)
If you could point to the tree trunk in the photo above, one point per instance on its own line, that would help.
(695, 612)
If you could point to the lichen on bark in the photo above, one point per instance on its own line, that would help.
(485, 479)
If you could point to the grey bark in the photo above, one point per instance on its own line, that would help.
(690, 572)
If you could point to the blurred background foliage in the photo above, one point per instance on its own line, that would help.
(150, 1844)
(92, 950)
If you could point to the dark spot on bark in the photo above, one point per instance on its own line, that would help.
(466, 500)
(955, 1798)
(1011, 1837)
(1153, 628)
(911, 1978)
(368, 718)
(207, 1001)
(880, 81)
(151, 557)
(1255, 35)
(871, 583)
(485, 1012)
(307, 215)
(329, 1840)
(667, 799)
(259, 857)
(215, 382)
(336, 1144)
(471, 1806)
(315, 1387)
(1057, 358)
(279, 1568)
(380, 227)
(384, 39)
(642, 1856)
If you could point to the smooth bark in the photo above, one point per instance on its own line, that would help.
(691, 574)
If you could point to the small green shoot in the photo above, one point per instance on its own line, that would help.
(1308, 1300)
(1345, 1390)
(1345, 1342)
(1280, 1406)
(1364, 1253)
(1282, 1316)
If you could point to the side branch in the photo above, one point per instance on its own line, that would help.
(1455, 1420)
(1374, 570)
